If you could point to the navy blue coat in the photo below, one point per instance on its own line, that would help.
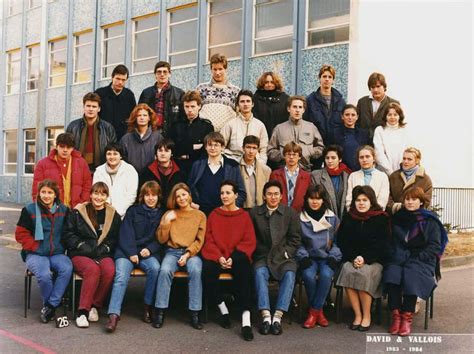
(412, 264)
(138, 232)
(349, 153)
(231, 172)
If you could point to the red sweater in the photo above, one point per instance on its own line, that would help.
(226, 232)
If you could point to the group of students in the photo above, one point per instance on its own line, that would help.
(206, 201)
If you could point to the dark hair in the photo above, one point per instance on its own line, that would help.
(150, 186)
(50, 184)
(376, 77)
(399, 110)
(293, 147)
(336, 148)
(243, 92)
(327, 67)
(296, 98)
(272, 183)
(192, 96)
(214, 137)
(251, 139)
(99, 187)
(162, 64)
(218, 59)
(171, 202)
(231, 183)
(415, 193)
(318, 192)
(369, 193)
(91, 96)
(349, 106)
(114, 147)
(65, 139)
(132, 120)
(166, 143)
(276, 80)
(120, 70)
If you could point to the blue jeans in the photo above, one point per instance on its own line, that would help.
(123, 267)
(317, 289)
(168, 267)
(285, 291)
(51, 291)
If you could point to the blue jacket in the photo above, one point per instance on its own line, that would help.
(231, 172)
(138, 232)
(317, 237)
(326, 123)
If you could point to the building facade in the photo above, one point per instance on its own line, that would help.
(55, 51)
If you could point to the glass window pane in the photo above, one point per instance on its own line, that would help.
(329, 36)
(183, 14)
(30, 134)
(84, 38)
(144, 65)
(147, 22)
(146, 44)
(113, 51)
(322, 13)
(114, 31)
(57, 81)
(183, 59)
(58, 45)
(217, 23)
(183, 37)
(230, 51)
(276, 18)
(82, 76)
(83, 58)
(273, 45)
(224, 5)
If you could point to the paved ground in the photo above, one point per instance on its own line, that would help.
(453, 315)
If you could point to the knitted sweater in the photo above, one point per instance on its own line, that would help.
(389, 143)
(218, 102)
(226, 232)
(187, 231)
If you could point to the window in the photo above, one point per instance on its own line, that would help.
(30, 150)
(225, 14)
(11, 152)
(273, 26)
(15, 7)
(113, 46)
(13, 74)
(328, 21)
(32, 73)
(182, 41)
(51, 135)
(145, 43)
(57, 62)
(82, 57)
(34, 3)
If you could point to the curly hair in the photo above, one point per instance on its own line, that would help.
(132, 120)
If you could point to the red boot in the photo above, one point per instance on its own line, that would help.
(311, 319)
(322, 320)
(395, 326)
(405, 326)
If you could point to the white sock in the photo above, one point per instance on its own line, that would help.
(266, 317)
(277, 316)
(246, 318)
(223, 308)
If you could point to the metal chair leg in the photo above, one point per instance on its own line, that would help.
(300, 290)
(73, 305)
(26, 295)
(339, 298)
(432, 305)
(427, 310)
(29, 290)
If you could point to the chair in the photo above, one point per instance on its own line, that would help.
(222, 277)
(429, 309)
(339, 299)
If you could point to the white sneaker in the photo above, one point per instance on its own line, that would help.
(93, 315)
(82, 322)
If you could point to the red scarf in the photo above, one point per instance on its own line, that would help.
(160, 105)
(337, 171)
(356, 215)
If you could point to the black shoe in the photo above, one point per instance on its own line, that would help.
(46, 314)
(195, 323)
(354, 327)
(363, 328)
(247, 333)
(276, 328)
(158, 318)
(265, 328)
(225, 321)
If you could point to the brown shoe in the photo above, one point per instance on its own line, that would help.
(112, 322)
(147, 313)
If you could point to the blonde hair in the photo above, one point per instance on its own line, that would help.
(414, 151)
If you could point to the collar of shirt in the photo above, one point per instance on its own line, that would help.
(294, 174)
(220, 163)
(250, 168)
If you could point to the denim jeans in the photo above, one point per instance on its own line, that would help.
(168, 267)
(123, 267)
(41, 266)
(285, 291)
(317, 289)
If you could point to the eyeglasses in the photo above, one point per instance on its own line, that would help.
(270, 195)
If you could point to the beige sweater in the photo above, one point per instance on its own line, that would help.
(187, 231)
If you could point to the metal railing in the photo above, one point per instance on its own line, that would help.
(457, 206)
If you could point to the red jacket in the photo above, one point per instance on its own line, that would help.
(302, 183)
(226, 232)
(81, 179)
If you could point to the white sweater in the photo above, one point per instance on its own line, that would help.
(389, 143)
(123, 188)
(234, 132)
(379, 184)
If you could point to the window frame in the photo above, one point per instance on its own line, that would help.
(5, 151)
(11, 7)
(135, 32)
(318, 29)
(169, 54)
(50, 61)
(31, 6)
(254, 31)
(103, 65)
(209, 16)
(10, 84)
(53, 140)
(29, 58)
(25, 144)
(74, 56)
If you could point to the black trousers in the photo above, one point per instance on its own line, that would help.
(242, 280)
(398, 301)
